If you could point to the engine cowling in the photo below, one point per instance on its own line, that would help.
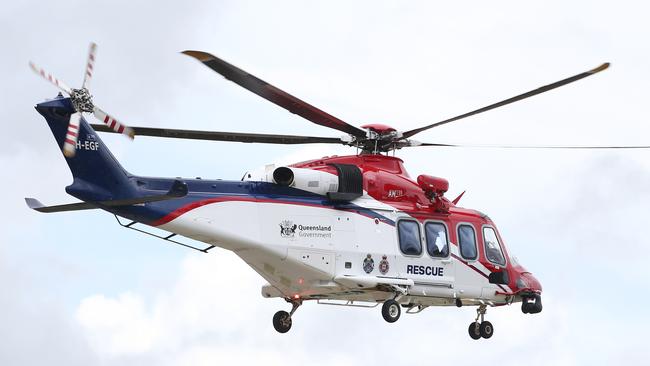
(310, 180)
(315, 181)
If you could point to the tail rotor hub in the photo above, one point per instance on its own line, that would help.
(82, 100)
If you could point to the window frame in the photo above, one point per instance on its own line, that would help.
(426, 241)
(460, 251)
(399, 242)
(499, 241)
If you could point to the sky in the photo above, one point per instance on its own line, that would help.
(78, 289)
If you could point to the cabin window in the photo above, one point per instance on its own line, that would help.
(436, 235)
(467, 242)
(410, 242)
(493, 251)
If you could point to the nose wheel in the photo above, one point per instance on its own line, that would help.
(282, 319)
(482, 329)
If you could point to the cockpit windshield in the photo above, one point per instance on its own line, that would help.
(493, 250)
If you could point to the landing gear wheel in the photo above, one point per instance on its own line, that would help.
(486, 329)
(474, 330)
(391, 311)
(282, 321)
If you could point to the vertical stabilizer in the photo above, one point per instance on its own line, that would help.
(98, 176)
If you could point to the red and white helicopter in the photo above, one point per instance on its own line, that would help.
(348, 230)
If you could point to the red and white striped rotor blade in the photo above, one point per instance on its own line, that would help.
(114, 124)
(70, 143)
(90, 65)
(47, 76)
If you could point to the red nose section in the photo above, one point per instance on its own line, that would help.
(528, 282)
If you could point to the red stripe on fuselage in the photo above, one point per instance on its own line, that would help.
(180, 211)
(475, 269)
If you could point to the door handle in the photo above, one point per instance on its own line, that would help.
(446, 261)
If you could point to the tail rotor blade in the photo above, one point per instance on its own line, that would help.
(70, 144)
(47, 76)
(113, 123)
(90, 65)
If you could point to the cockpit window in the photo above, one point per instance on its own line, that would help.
(436, 235)
(467, 242)
(493, 250)
(514, 261)
(409, 237)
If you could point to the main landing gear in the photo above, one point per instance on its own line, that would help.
(391, 311)
(282, 319)
(483, 328)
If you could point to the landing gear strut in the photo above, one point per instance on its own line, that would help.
(282, 319)
(483, 328)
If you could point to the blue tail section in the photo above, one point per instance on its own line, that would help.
(97, 174)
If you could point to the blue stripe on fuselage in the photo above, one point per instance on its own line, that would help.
(200, 190)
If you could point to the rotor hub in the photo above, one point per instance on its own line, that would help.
(82, 100)
(380, 138)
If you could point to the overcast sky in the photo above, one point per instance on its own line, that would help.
(77, 289)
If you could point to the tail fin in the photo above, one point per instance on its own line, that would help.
(98, 176)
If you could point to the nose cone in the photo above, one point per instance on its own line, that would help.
(528, 282)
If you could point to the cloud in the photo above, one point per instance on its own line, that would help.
(77, 290)
(34, 327)
(213, 313)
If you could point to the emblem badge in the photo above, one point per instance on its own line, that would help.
(368, 264)
(287, 229)
(383, 265)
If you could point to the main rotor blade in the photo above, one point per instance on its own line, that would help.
(90, 64)
(225, 136)
(273, 94)
(47, 76)
(519, 97)
(537, 146)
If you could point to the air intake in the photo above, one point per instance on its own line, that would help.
(350, 183)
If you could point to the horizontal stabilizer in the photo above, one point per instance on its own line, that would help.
(178, 189)
(36, 205)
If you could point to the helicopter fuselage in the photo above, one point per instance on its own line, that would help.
(309, 247)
